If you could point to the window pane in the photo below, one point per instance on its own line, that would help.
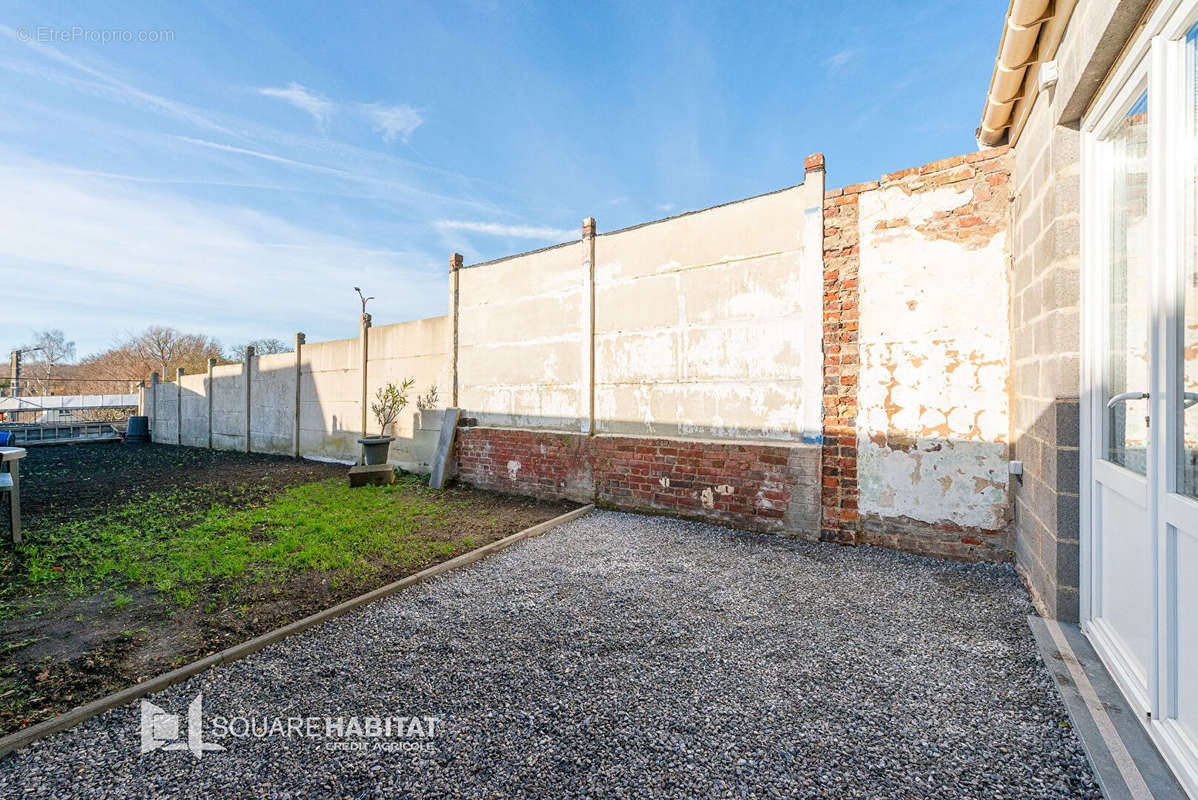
(1126, 428)
(1187, 462)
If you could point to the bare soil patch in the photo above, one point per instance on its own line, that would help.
(141, 558)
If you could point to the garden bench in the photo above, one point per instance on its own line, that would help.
(10, 483)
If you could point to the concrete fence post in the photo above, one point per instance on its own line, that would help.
(210, 390)
(300, 340)
(141, 398)
(455, 266)
(364, 347)
(153, 420)
(248, 369)
(179, 406)
(588, 327)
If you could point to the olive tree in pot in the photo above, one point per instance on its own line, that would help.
(389, 400)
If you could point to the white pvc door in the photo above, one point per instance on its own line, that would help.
(1140, 418)
(1121, 553)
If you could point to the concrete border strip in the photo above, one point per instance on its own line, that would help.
(1106, 728)
(15, 741)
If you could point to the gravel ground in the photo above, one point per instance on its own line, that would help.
(627, 656)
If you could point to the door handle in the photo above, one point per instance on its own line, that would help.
(1189, 399)
(1123, 397)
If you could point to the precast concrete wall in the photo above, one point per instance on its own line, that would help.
(329, 397)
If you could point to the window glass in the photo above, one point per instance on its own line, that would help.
(1126, 423)
(1187, 462)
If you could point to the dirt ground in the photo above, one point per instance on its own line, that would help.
(59, 651)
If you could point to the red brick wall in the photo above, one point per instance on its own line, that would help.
(838, 463)
(536, 463)
(762, 487)
(973, 224)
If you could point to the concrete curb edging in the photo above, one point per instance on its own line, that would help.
(15, 741)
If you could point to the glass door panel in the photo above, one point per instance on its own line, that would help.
(1126, 417)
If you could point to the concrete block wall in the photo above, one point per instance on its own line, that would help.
(917, 360)
(701, 321)
(521, 348)
(329, 396)
(272, 403)
(1046, 316)
(228, 408)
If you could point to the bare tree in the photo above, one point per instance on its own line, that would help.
(261, 347)
(165, 347)
(54, 349)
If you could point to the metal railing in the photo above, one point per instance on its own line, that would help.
(64, 432)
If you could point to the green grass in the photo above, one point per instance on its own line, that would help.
(218, 547)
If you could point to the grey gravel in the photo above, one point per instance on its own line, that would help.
(629, 656)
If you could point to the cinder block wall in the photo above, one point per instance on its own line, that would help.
(1046, 318)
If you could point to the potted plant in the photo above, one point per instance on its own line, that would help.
(389, 400)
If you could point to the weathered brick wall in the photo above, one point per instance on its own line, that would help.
(771, 488)
(838, 464)
(917, 360)
(541, 464)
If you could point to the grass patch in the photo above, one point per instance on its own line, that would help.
(157, 543)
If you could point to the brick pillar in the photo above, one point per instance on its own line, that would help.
(838, 462)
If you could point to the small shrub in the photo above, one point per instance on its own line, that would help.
(389, 400)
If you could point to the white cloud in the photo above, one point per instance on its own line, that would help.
(257, 154)
(107, 85)
(842, 58)
(299, 96)
(513, 231)
(393, 122)
(666, 207)
(106, 248)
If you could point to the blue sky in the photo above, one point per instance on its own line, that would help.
(240, 175)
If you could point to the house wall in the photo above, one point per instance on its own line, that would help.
(1046, 291)
(917, 359)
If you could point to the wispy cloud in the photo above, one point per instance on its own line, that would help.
(513, 231)
(298, 95)
(666, 207)
(393, 122)
(264, 156)
(114, 87)
(842, 58)
(103, 241)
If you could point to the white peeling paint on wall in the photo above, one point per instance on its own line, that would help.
(934, 346)
(709, 324)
